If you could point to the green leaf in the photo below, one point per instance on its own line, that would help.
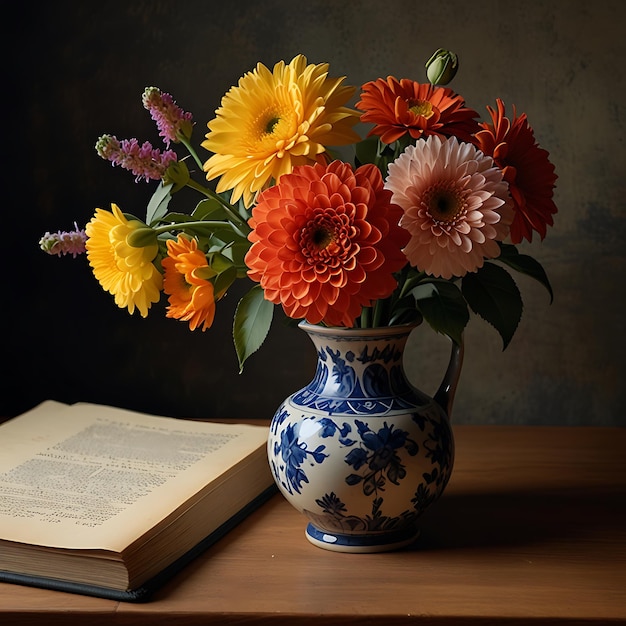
(157, 207)
(373, 150)
(525, 264)
(405, 312)
(492, 294)
(253, 318)
(238, 251)
(239, 208)
(443, 307)
(177, 217)
(224, 280)
(209, 208)
(219, 263)
(367, 150)
(225, 273)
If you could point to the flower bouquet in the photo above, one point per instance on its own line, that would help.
(421, 222)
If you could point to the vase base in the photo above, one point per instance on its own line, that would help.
(361, 544)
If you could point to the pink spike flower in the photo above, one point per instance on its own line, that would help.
(173, 123)
(143, 160)
(64, 242)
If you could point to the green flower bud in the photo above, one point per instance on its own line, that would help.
(142, 237)
(185, 130)
(205, 273)
(177, 174)
(442, 67)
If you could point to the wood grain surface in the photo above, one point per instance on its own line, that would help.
(531, 530)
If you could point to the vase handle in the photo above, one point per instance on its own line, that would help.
(445, 394)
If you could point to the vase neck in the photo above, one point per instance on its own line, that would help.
(361, 365)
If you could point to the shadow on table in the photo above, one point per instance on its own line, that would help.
(482, 519)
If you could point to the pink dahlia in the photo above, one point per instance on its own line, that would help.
(456, 205)
(326, 242)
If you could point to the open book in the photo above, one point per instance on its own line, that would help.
(108, 502)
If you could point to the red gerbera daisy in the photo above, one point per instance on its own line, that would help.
(526, 168)
(398, 107)
(326, 242)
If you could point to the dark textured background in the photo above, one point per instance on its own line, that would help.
(75, 70)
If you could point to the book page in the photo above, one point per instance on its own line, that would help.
(94, 477)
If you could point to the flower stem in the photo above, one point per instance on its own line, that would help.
(165, 228)
(380, 307)
(411, 282)
(365, 317)
(230, 210)
(191, 150)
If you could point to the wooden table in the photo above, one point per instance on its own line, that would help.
(531, 530)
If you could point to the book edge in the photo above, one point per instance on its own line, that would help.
(144, 592)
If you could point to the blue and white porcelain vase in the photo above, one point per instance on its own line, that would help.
(359, 450)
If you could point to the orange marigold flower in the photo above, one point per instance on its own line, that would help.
(398, 107)
(326, 242)
(191, 296)
(526, 168)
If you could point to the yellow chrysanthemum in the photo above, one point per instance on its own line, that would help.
(125, 271)
(273, 121)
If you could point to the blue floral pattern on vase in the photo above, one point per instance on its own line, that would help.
(359, 451)
(294, 453)
(377, 454)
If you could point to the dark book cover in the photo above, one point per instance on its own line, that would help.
(144, 592)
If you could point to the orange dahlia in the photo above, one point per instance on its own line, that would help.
(191, 296)
(456, 205)
(398, 107)
(526, 167)
(326, 242)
